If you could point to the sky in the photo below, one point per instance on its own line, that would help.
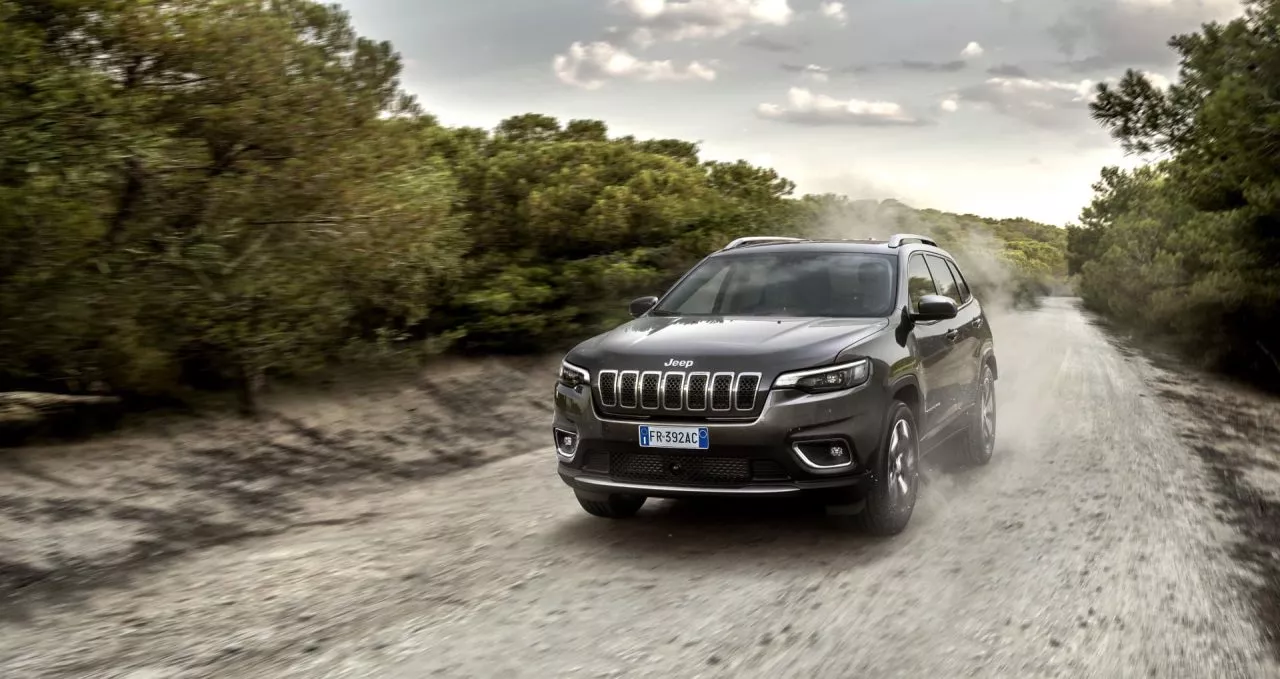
(970, 106)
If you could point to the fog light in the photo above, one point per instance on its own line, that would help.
(566, 443)
(824, 454)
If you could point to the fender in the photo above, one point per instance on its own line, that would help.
(901, 381)
(988, 351)
(907, 380)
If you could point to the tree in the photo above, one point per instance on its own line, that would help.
(241, 151)
(1187, 249)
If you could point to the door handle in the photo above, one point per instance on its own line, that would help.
(952, 334)
(977, 322)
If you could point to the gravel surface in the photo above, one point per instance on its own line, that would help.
(1120, 531)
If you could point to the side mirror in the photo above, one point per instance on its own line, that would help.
(935, 308)
(640, 305)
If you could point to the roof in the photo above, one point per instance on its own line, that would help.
(825, 245)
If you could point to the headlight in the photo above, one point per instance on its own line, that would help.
(831, 378)
(572, 376)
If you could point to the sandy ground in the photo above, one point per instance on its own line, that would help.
(75, 514)
(1127, 527)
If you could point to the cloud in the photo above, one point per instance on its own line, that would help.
(1009, 71)
(1159, 81)
(590, 66)
(949, 105)
(910, 65)
(972, 50)
(932, 66)
(767, 44)
(834, 11)
(1043, 103)
(813, 71)
(1050, 104)
(676, 20)
(806, 108)
(1105, 34)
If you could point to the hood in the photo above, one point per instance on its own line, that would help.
(714, 343)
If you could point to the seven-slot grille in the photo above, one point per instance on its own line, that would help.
(696, 391)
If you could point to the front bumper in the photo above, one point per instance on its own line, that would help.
(844, 489)
(754, 459)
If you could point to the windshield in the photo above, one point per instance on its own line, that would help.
(835, 284)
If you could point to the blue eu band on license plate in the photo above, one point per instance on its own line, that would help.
(696, 438)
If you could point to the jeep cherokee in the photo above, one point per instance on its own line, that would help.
(783, 367)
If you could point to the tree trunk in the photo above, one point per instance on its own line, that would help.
(249, 383)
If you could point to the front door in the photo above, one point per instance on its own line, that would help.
(969, 322)
(933, 348)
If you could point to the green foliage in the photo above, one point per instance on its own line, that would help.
(206, 188)
(1188, 249)
(208, 192)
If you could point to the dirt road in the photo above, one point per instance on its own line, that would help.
(1095, 545)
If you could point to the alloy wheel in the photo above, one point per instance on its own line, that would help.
(988, 412)
(902, 472)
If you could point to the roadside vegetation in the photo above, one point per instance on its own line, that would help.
(1186, 249)
(208, 194)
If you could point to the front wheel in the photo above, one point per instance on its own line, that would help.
(892, 498)
(981, 441)
(613, 506)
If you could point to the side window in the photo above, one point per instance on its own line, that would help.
(942, 276)
(919, 281)
(965, 293)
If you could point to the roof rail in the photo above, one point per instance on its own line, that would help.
(752, 240)
(900, 239)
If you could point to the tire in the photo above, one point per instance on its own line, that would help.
(896, 483)
(614, 506)
(981, 441)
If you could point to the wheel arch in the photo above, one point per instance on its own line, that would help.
(908, 391)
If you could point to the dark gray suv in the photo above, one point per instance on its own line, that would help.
(780, 367)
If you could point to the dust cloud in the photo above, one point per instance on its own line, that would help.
(995, 283)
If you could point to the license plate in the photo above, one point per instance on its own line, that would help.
(674, 437)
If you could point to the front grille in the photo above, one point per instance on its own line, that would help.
(721, 384)
(696, 396)
(678, 391)
(672, 395)
(680, 469)
(628, 393)
(608, 388)
(744, 392)
(649, 383)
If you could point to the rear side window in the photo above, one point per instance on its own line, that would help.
(919, 281)
(965, 293)
(946, 283)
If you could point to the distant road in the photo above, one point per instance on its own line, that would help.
(1088, 548)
